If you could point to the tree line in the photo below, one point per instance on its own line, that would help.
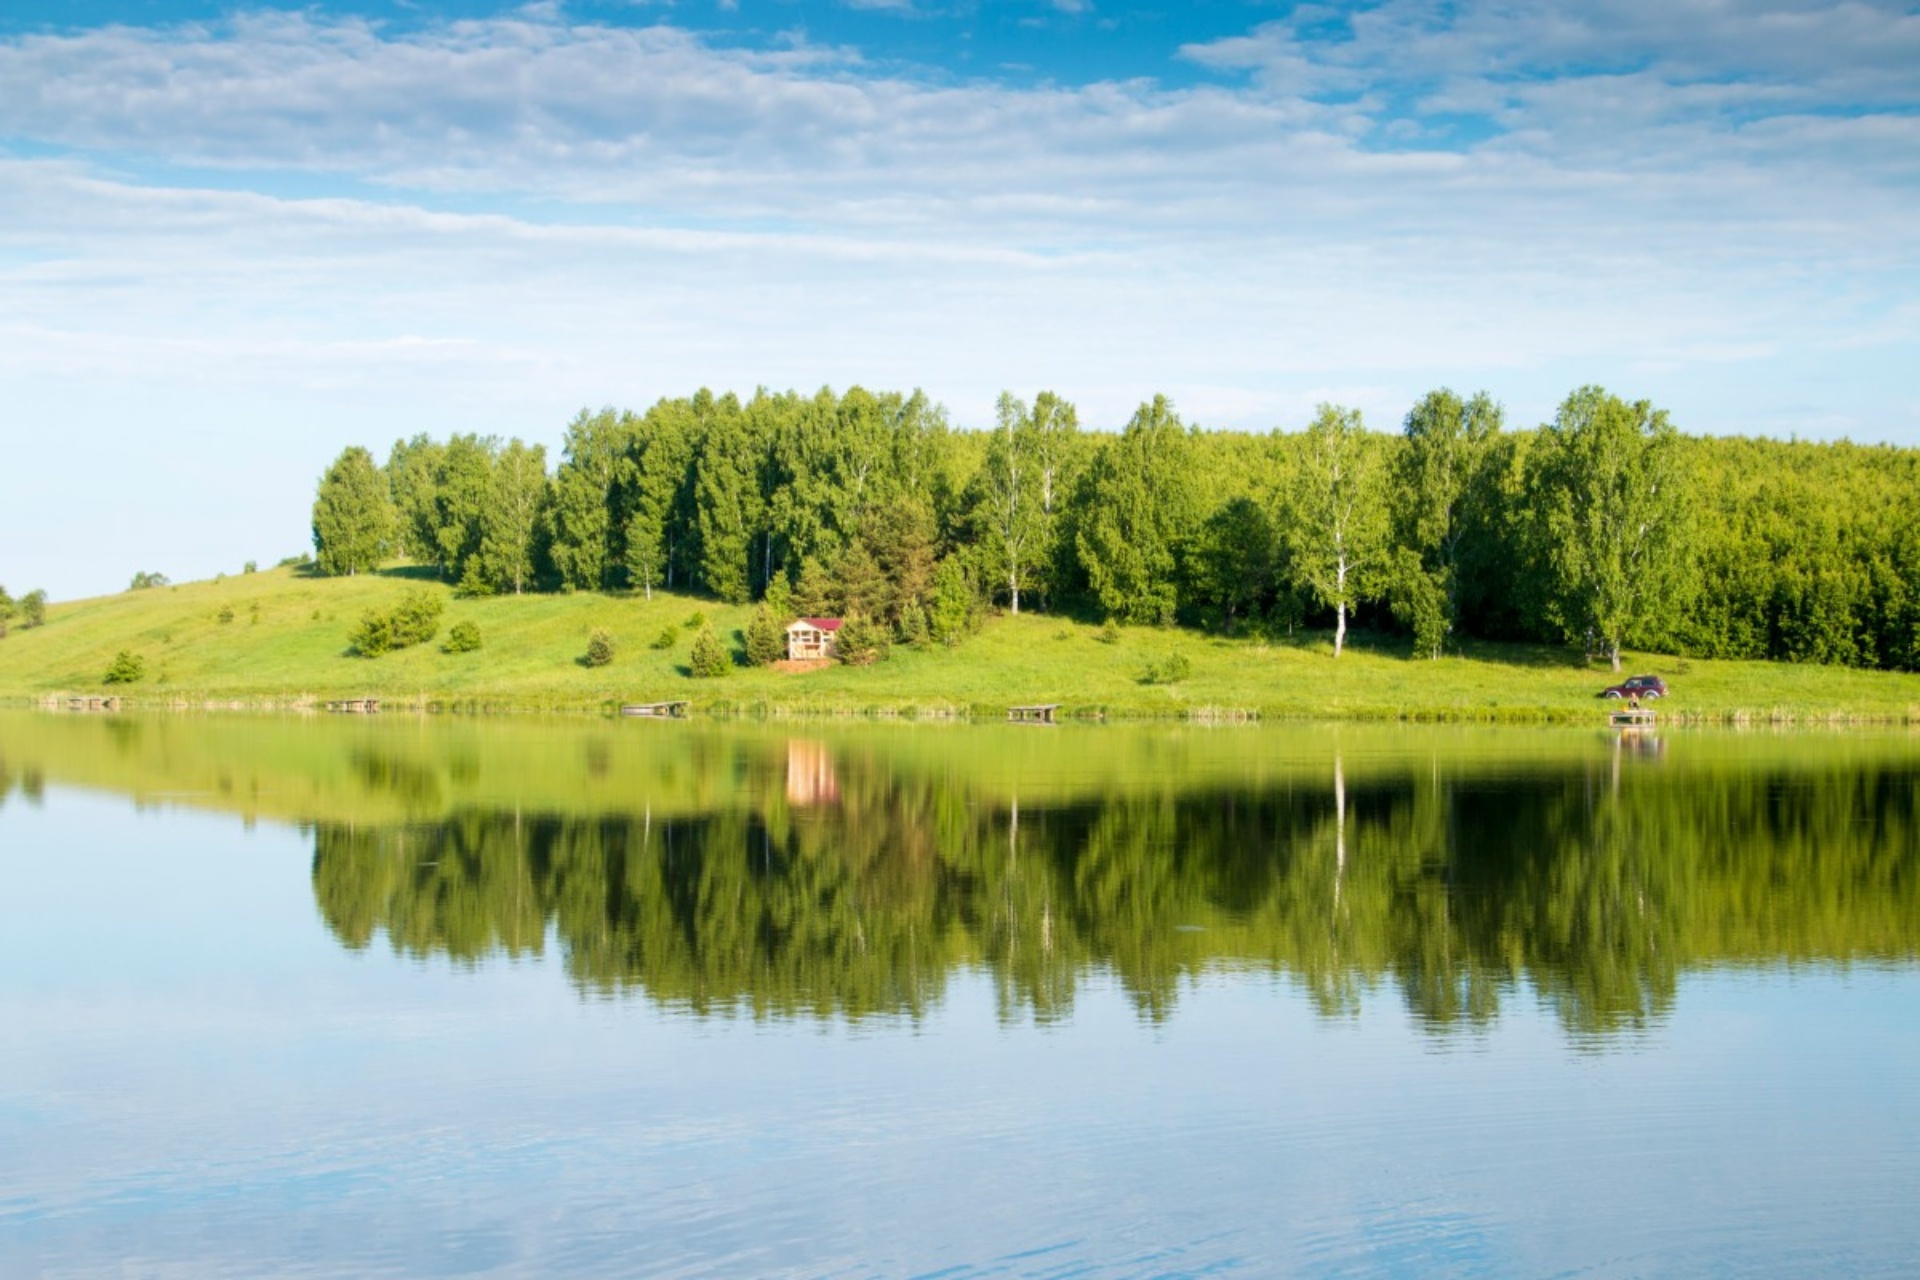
(1604, 528)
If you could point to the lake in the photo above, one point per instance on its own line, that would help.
(394, 996)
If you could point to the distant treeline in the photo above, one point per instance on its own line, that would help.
(1604, 528)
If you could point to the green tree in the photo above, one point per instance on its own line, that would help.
(1008, 509)
(352, 516)
(413, 479)
(1610, 502)
(1443, 477)
(709, 655)
(588, 538)
(1139, 517)
(33, 609)
(766, 638)
(727, 497)
(7, 610)
(861, 641)
(514, 521)
(460, 497)
(1235, 560)
(1337, 519)
(954, 611)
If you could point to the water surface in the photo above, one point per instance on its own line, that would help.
(431, 997)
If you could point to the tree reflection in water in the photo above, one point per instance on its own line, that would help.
(831, 885)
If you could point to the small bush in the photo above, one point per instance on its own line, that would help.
(146, 581)
(695, 620)
(128, 667)
(709, 655)
(1109, 634)
(374, 635)
(464, 638)
(288, 562)
(1171, 669)
(226, 613)
(415, 620)
(667, 638)
(252, 566)
(599, 648)
(33, 610)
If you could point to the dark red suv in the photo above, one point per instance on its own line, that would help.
(1637, 687)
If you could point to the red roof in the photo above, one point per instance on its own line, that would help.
(825, 624)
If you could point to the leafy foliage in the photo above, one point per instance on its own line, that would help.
(128, 667)
(766, 639)
(709, 655)
(1450, 530)
(353, 524)
(414, 620)
(147, 581)
(464, 637)
(861, 641)
(600, 648)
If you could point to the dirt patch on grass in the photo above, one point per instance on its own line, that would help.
(797, 665)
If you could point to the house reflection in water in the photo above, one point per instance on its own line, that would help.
(810, 776)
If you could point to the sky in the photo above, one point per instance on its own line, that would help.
(236, 240)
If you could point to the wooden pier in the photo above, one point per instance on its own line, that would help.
(1039, 713)
(656, 710)
(355, 706)
(1631, 718)
(93, 703)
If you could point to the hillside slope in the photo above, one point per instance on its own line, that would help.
(285, 638)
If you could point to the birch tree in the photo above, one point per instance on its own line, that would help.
(1610, 504)
(1337, 525)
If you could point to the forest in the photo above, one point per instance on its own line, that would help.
(1604, 529)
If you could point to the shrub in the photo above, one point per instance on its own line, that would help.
(415, 620)
(464, 638)
(1171, 669)
(145, 581)
(766, 641)
(667, 638)
(252, 566)
(599, 647)
(695, 620)
(1109, 634)
(288, 562)
(709, 655)
(226, 613)
(127, 668)
(374, 635)
(7, 608)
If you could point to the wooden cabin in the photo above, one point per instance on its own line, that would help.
(810, 638)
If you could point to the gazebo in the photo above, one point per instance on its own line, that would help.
(811, 638)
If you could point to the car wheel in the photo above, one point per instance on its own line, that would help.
(1610, 693)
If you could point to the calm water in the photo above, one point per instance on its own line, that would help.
(405, 997)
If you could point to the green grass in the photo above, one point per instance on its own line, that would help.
(287, 643)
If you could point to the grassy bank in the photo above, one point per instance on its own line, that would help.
(278, 637)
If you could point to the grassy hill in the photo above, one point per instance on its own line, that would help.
(281, 637)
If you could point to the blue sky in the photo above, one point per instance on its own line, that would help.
(235, 239)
